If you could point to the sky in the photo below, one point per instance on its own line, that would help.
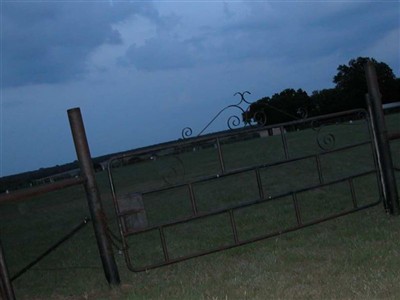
(141, 71)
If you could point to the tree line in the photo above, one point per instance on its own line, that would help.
(348, 93)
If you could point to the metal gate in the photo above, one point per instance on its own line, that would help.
(201, 195)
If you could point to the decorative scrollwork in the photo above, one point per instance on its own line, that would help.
(171, 169)
(233, 121)
(187, 132)
(260, 117)
(325, 141)
(242, 99)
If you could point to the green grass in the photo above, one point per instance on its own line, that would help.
(352, 257)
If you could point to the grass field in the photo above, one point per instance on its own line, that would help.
(352, 257)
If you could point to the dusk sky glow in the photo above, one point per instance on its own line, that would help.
(141, 71)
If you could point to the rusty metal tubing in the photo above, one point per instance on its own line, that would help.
(284, 142)
(243, 205)
(385, 157)
(297, 209)
(233, 227)
(353, 193)
(93, 197)
(39, 190)
(259, 183)
(374, 148)
(243, 170)
(210, 137)
(230, 210)
(7, 291)
(248, 241)
(220, 156)
(319, 169)
(192, 199)
(163, 243)
(121, 225)
(52, 248)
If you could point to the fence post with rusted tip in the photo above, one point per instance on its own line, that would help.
(93, 196)
(383, 148)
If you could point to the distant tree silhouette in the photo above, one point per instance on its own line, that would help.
(351, 83)
(326, 101)
(348, 93)
(285, 106)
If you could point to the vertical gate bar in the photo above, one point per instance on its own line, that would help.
(353, 193)
(6, 286)
(192, 199)
(112, 186)
(297, 209)
(259, 183)
(319, 168)
(220, 156)
(93, 197)
(385, 157)
(163, 244)
(284, 142)
(233, 226)
(375, 152)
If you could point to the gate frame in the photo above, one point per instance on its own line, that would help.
(216, 137)
(384, 156)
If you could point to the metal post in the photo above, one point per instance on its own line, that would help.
(93, 196)
(377, 159)
(7, 291)
(384, 155)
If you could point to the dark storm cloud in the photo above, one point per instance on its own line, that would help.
(287, 31)
(162, 53)
(50, 42)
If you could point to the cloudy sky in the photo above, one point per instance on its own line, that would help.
(142, 70)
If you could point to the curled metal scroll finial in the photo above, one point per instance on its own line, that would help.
(187, 132)
(233, 121)
(242, 97)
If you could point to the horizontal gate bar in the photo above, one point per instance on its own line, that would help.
(244, 204)
(39, 190)
(251, 168)
(214, 136)
(248, 241)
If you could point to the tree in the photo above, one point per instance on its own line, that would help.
(351, 82)
(326, 101)
(349, 93)
(283, 107)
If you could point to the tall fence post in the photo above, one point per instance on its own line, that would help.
(384, 155)
(7, 291)
(93, 196)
